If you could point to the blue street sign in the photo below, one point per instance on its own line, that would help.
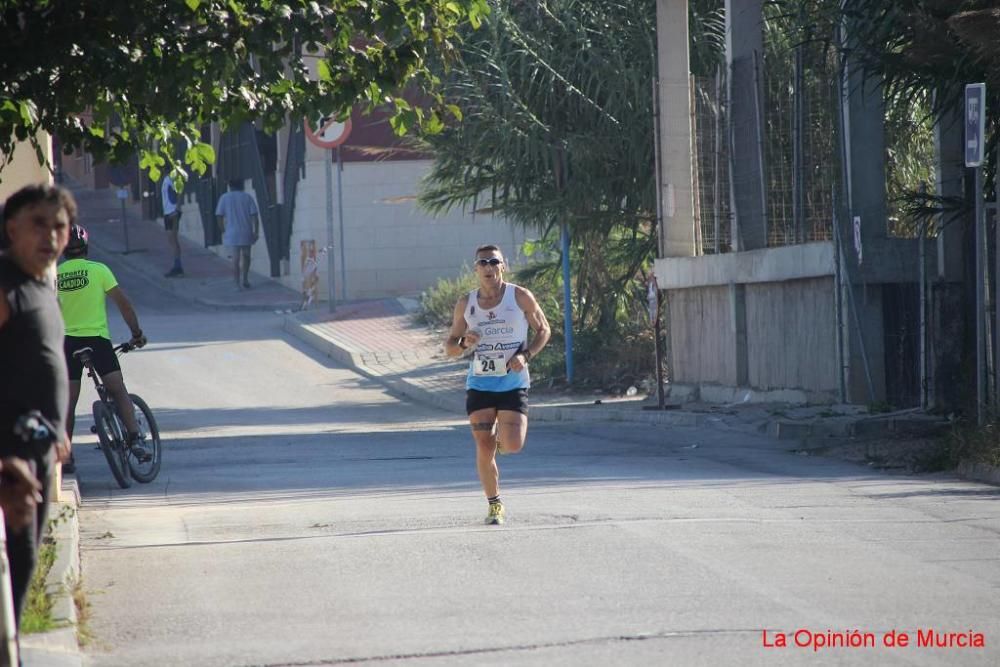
(975, 123)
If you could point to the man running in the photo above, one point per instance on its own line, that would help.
(493, 322)
(83, 285)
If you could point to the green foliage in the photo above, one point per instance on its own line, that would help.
(613, 357)
(37, 615)
(910, 159)
(114, 80)
(919, 46)
(557, 105)
(976, 444)
(557, 102)
(437, 304)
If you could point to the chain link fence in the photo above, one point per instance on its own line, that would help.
(795, 137)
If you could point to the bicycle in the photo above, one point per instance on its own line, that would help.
(123, 460)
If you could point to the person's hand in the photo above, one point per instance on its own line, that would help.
(138, 341)
(518, 362)
(63, 449)
(20, 493)
(472, 338)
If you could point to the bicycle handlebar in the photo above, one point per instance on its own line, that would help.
(127, 346)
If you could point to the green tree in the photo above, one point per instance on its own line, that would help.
(557, 106)
(118, 77)
(925, 51)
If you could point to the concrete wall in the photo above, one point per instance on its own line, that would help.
(702, 336)
(761, 319)
(792, 336)
(790, 333)
(391, 247)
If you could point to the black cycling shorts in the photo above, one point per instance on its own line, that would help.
(105, 359)
(515, 400)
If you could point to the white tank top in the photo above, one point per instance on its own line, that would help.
(503, 328)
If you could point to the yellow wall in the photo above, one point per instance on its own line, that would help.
(23, 169)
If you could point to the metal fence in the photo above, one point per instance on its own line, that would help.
(713, 207)
(796, 132)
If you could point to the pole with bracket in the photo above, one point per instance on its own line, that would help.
(122, 195)
(340, 208)
(329, 231)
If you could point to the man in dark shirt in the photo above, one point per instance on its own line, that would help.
(35, 226)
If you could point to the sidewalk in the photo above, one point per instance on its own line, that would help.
(382, 340)
(207, 279)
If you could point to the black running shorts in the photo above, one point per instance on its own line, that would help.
(105, 359)
(515, 400)
(171, 221)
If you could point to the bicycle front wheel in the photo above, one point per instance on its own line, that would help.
(145, 469)
(111, 443)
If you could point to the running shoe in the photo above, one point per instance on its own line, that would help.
(496, 516)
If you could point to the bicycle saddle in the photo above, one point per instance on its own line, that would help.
(83, 353)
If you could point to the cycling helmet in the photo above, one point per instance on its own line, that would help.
(78, 239)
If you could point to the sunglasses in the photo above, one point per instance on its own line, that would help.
(492, 261)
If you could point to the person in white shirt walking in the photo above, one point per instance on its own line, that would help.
(239, 221)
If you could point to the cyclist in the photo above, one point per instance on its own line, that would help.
(83, 285)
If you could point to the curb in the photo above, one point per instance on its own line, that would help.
(60, 646)
(583, 413)
(355, 361)
(979, 472)
(918, 425)
(905, 422)
(456, 404)
(65, 572)
(276, 307)
(177, 286)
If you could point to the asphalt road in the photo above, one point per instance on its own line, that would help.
(305, 516)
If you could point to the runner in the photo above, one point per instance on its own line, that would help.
(493, 321)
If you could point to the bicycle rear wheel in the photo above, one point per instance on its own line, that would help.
(111, 444)
(145, 471)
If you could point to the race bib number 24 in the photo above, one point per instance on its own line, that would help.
(490, 364)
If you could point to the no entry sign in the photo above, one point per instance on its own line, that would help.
(327, 132)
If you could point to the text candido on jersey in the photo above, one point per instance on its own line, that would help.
(823, 640)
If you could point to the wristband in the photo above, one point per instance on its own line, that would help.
(527, 355)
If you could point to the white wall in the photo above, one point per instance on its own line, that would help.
(391, 246)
